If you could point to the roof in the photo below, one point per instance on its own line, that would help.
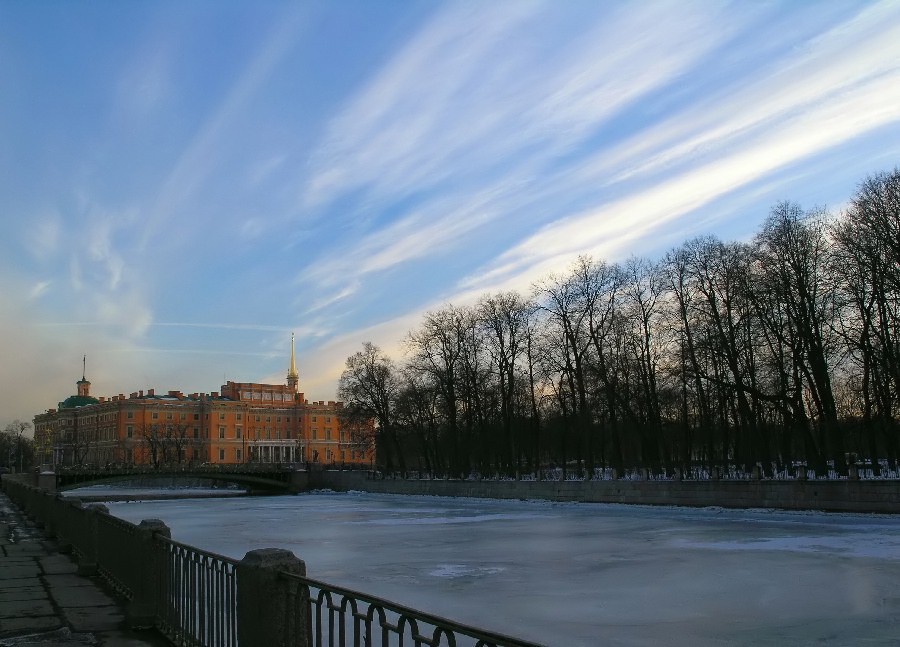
(77, 401)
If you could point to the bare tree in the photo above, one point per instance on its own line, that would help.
(792, 250)
(866, 254)
(19, 448)
(436, 350)
(504, 318)
(368, 387)
(733, 354)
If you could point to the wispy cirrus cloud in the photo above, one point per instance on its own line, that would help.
(457, 119)
(610, 229)
(461, 101)
(206, 149)
(819, 72)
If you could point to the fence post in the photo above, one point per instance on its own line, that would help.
(264, 613)
(142, 611)
(90, 552)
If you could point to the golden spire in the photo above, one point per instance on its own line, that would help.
(293, 378)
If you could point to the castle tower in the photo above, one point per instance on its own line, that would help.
(84, 387)
(293, 378)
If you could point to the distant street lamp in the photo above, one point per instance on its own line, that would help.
(19, 446)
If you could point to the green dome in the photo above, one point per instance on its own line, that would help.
(77, 401)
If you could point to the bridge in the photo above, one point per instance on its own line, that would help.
(256, 477)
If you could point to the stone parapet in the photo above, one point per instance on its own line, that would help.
(874, 496)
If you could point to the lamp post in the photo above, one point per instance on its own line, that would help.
(19, 446)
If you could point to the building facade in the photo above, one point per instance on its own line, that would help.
(243, 422)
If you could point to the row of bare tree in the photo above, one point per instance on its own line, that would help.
(785, 348)
(16, 447)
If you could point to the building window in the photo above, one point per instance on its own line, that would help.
(129, 430)
(169, 415)
(155, 415)
(221, 454)
(239, 432)
(328, 433)
(268, 418)
(196, 416)
(221, 432)
(221, 416)
(314, 434)
(278, 419)
(196, 433)
(129, 415)
(238, 454)
(313, 418)
(183, 416)
(257, 418)
(239, 416)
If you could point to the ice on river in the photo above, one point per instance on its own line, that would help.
(580, 574)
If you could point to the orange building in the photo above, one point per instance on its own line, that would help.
(242, 422)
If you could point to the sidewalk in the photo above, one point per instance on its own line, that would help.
(43, 601)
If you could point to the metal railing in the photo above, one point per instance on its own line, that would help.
(336, 616)
(116, 565)
(197, 596)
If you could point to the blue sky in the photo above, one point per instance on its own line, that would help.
(185, 184)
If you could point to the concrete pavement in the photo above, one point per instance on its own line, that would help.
(43, 601)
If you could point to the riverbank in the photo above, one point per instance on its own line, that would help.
(867, 496)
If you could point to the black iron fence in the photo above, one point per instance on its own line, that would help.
(198, 598)
(339, 616)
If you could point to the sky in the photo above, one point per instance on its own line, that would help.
(185, 184)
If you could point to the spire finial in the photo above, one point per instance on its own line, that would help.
(293, 378)
(84, 387)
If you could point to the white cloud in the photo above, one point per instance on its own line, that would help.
(42, 237)
(39, 289)
(612, 228)
(203, 152)
(461, 105)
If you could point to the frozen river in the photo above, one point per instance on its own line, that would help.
(580, 574)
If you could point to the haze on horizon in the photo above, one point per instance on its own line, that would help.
(185, 184)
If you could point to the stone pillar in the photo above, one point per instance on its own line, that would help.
(90, 552)
(148, 563)
(267, 614)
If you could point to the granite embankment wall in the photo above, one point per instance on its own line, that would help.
(881, 496)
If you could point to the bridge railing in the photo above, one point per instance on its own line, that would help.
(198, 598)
